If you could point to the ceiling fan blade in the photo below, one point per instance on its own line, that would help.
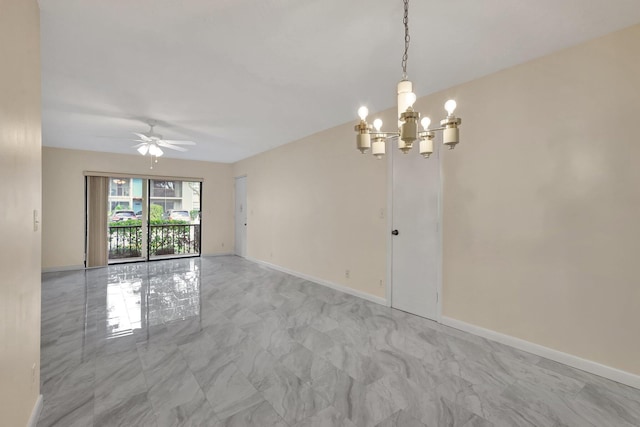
(139, 145)
(142, 137)
(179, 142)
(173, 147)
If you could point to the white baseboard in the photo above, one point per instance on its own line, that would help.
(217, 254)
(64, 268)
(35, 413)
(595, 368)
(341, 288)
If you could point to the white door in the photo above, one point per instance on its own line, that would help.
(415, 249)
(241, 216)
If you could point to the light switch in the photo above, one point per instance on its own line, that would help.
(36, 221)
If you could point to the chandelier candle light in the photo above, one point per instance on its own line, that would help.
(408, 130)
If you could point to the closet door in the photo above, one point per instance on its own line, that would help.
(415, 241)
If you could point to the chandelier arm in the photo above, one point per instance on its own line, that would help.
(385, 134)
(423, 133)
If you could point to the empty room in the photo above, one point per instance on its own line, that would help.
(299, 214)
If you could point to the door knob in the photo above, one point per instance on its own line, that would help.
(395, 232)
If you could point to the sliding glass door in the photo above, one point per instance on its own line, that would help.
(125, 227)
(152, 219)
(174, 218)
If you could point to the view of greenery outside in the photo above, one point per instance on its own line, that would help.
(166, 236)
(155, 213)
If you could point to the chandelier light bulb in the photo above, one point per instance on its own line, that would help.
(143, 149)
(411, 98)
(363, 112)
(377, 123)
(450, 106)
(425, 122)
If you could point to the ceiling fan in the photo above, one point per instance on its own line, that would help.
(150, 143)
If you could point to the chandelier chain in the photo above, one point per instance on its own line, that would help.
(407, 38)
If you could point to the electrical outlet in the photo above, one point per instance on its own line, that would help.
(36, 220)
(380, 282)
(347, 274)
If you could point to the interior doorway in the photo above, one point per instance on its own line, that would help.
(415, 249)
(241, 216)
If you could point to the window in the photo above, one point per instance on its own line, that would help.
(119, 187)
(166, 189)
(172, 220)
(166, 204)
(118, 205)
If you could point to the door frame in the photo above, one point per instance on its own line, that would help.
(235, 222)
(389, 288)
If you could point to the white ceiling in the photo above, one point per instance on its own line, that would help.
(240, 77)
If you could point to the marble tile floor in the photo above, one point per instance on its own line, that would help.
(225, 342)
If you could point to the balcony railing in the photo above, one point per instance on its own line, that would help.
(182, 239)
(125, 241)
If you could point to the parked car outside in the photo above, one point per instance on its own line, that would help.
(179, 215)
(139, 215)
(123, 216)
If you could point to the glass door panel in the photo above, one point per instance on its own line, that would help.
(174, 218)
(152, 219)
(124, 234)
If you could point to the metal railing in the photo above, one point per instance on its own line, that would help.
(125, 241)
(178, 239)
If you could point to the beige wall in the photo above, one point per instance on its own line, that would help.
(63, 199)
(314, 207)
(542, 202)
(20, 195)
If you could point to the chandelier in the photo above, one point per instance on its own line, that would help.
(408, 130)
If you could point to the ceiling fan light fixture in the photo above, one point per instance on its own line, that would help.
(154, 150)
(150, 143)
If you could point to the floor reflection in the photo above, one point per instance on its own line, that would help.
(257, 347)
(141, 296)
